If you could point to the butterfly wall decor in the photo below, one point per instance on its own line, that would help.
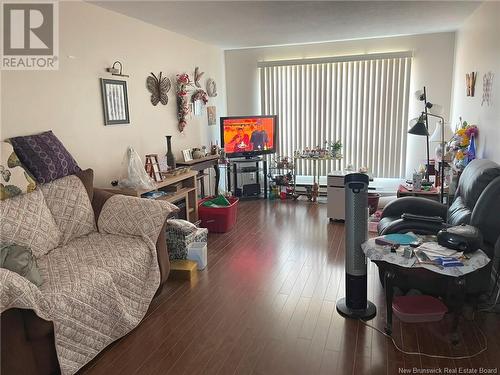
(159, 88)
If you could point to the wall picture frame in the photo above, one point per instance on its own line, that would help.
(211, 115)
(115, 101)
(187, 154)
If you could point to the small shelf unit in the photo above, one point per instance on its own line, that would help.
(182, 187)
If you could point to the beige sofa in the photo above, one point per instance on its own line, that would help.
(102, 258)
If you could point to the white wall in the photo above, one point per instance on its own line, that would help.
(478, 50)
(68, 101)
(432, 66)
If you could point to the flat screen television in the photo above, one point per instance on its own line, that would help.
(248, 136)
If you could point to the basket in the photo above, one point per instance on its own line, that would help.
(178, 242)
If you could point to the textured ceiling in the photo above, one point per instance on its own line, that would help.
(240, 24)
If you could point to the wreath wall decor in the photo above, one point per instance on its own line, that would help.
(200, 95)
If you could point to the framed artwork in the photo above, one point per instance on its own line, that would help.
(187, 155)
(114, 101)
(211, 115)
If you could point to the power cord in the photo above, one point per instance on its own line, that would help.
(432, 355)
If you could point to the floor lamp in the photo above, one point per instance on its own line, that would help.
(421, 128)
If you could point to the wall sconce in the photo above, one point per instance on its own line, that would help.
(115, 71)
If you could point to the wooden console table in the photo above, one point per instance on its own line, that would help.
(182, 186)
(432, 194)
(200, 165)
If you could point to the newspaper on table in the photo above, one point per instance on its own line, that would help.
(434, 250)
(374, 252)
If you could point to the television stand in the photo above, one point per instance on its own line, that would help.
(238, 167)
(246, 159)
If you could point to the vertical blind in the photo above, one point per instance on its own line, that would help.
(360, 100)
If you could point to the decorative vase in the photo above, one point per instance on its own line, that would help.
(170, 156)
(471, 152)
(197, 153)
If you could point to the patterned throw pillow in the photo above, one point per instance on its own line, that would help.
(44, 156)
(26, 220)
(14, 179)
(70, 206)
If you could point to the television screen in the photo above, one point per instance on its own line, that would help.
(248, 135)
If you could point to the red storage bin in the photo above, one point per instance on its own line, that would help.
(218, 219)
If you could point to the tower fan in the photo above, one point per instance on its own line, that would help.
(355, 304)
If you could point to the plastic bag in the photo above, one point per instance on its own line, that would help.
(135, 176)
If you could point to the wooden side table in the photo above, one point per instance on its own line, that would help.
(200, 165)
(394, 275)
(433, 193)
(396, 270)
(182, 186)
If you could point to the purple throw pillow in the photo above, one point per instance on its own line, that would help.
(44, 156)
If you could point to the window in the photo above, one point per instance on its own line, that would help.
(360, 100)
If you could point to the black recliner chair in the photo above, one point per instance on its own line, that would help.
(477, 202)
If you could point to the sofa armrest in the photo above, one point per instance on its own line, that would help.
(133, 216)
(162, 253)
(416, 206)
(27, 344)
(389, 225)
(99, 199)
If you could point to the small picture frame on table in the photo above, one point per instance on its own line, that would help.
(114, 101)
(187, 155)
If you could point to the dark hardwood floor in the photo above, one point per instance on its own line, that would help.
(266, 305)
